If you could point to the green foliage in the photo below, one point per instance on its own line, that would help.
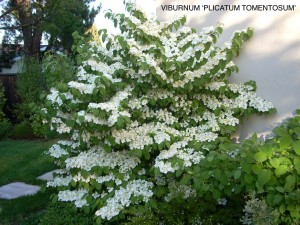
(54, 70)
(23, 130)
(180, 211)
(5, 124)
(65, 17)
(5, 128)
(58, 68)
(30, 84)
(2, 101)
(53, 19)
(275, 169)
(63, 214)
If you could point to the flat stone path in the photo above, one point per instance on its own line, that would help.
(19, 189)
(47, 176)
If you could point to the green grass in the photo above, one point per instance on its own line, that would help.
(23, 161)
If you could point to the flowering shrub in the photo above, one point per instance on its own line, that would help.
(146, 107)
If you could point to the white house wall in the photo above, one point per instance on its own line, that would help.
(271, 57)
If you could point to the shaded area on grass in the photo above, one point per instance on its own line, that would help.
(24, 161)
(16, 211)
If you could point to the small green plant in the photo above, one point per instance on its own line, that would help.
(23, 130)
(63, 214)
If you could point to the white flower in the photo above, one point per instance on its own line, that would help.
(57, 151)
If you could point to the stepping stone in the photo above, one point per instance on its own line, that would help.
(17, 189)
(47, 176)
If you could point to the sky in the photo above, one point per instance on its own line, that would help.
(149, 6)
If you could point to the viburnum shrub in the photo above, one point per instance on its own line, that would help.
(146, 107)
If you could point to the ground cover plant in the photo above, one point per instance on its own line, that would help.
(148, 121)
(23, 161)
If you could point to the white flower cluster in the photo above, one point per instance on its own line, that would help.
(121, 199)
(60, 181)
(82, 87)
(76, 196)
(98, 157)
(58, 125)
(113, 105)
(54, 96)
(188, 155)
(56, 151)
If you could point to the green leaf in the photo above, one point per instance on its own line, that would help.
(296, 146)
(250, 32)
(280, 189)
(297, 165)
(297, 132)
(120, 122)
(179, 172)
(216, 194)
(256, 169)
(146, 154)
(153, 203)
(217, 173)
(85, 174)
(210, 158)
(219, 30)
(274, 199)
(260, 157)
(186, 179)
(282, 169)
(139, 153)
(275, 162)
(289, 183)
(248, 178)
(54, 199)
(282, 208)
(268, 149)
(264, 176)
(98, 221)
(285, 141)
(247, 168)
(86, 209)
(107, 148)
(237, 174)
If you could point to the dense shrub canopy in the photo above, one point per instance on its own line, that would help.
(145, 108)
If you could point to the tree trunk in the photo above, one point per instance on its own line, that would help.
(30, 27)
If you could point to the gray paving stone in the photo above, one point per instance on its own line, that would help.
(17, 189)
(47, 176)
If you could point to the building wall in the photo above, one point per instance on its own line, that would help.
(15, 68)
(271, 57)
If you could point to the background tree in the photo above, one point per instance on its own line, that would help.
(30, 19)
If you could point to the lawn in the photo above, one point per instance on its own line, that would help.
(23, 161)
